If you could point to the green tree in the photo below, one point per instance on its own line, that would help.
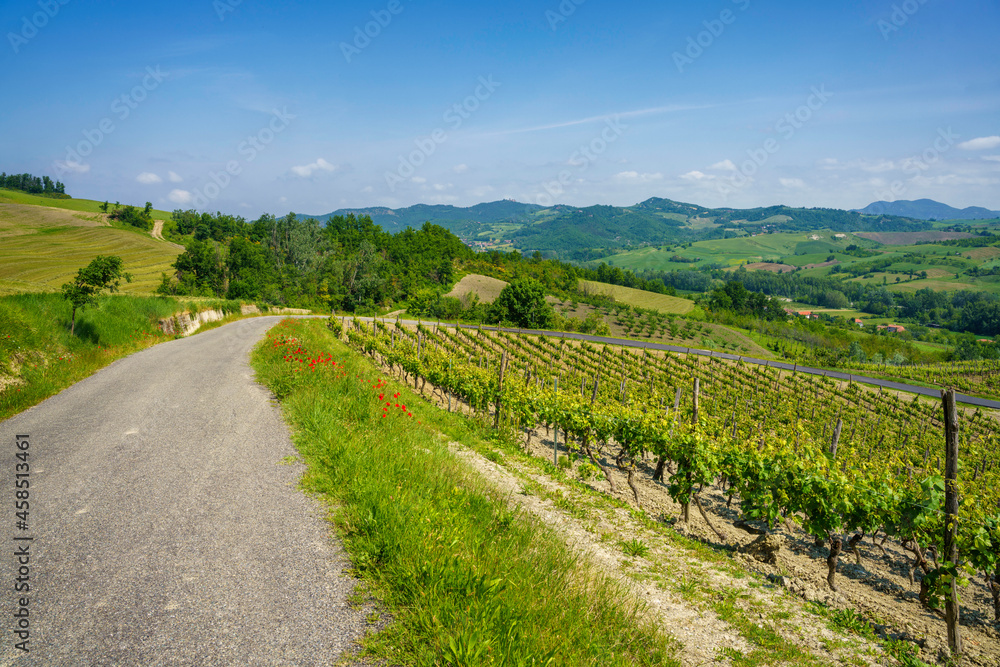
(523, 303)
(835, 299)
(103, 273)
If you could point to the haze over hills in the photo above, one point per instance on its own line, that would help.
(928, 209)
(582, 233)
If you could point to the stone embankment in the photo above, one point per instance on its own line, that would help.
(183, 324)
(186, 323)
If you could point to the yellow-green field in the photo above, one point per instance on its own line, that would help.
(633, 297)
(83, 205)
(486, 288)
(42, 247)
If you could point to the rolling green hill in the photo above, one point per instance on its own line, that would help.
(575, 233)
(83, 205)
(42, 246)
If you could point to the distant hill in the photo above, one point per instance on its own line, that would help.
(596, 231)
(461, 221)
(928, 209)
(576, 233)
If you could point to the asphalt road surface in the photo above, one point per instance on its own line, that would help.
(166, 528)
(888, 384)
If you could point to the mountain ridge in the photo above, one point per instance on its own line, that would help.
(928, 209)
(591, 232)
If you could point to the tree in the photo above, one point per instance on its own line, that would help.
(523, 303)
(835, 299)
(103, 273)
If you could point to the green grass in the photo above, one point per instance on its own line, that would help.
(39, 358)
(84, 205)
(635, 548)
(633, 297)
(465, 581)
(735, 251)
(42, 248)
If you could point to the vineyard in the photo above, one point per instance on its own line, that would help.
(836, 461)
(976, 378)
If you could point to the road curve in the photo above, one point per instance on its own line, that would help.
(624, 342)
(166, 529)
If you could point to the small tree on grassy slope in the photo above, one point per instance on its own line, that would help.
(103, 273)
(523, 303)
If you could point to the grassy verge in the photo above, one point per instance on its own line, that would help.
(465, 580)
(39, 358)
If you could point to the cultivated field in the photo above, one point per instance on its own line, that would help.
(633, 297)
(608, 424)
(768, 266)
(802, 247)
(909, 238)
(83, 205)
(41, 248)
(487, 288)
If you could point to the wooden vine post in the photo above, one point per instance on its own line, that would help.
(555, 430)
(951, 608)
(836, 437)
(496, 414)
(694, 403)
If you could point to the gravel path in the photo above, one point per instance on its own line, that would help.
(167, 528)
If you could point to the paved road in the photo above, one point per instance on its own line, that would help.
(165, 530)
(913, 389)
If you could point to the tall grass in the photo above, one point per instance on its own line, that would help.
(466, 580)
(39, 357)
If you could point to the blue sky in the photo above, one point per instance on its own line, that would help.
(250, 107)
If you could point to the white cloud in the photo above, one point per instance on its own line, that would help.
(980, 143)
(441, 187)
(148, 178)
(368, 189)
(282, 199)
(174, 177)
(828, 162)
(418, 180)
(879, 167)
(180, 197)
(306, 170)
(636, 177)
(792, 182)
(725, 165)
(992, 158)
(697, 176)
(75, 167)
(460, 168)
